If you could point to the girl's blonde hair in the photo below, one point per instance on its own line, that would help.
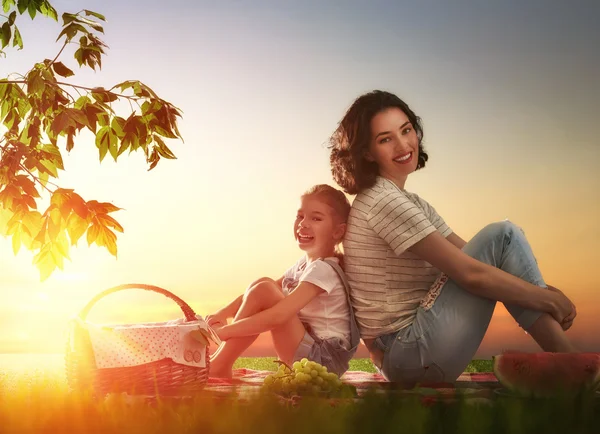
(337, 200)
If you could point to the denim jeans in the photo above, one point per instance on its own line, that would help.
(442, 340)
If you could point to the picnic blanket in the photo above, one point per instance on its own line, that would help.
(247, 381)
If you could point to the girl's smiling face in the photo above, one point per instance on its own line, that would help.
(316, 229)
(394, 145)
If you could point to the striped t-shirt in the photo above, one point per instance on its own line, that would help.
(387, 282)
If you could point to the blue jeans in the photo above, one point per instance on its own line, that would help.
(442, 340)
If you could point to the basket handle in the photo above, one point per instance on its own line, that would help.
(189, 313)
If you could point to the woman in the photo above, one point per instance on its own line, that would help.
(422, 296)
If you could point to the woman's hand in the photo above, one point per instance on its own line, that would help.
(217, 319)
(564, 310)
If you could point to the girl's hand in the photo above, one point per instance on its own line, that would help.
(221, 331)
(217, 319)
(564, 311)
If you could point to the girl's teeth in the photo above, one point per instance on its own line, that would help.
(406, 157)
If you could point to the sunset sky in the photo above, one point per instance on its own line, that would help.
(509, 94)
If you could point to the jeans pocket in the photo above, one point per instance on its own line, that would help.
(403, 364)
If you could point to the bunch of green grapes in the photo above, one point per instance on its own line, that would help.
(307, 378)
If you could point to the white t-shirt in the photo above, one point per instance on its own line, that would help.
(328, 314)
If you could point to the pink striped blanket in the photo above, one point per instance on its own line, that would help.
(246, 381)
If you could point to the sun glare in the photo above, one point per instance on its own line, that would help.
(43, 296)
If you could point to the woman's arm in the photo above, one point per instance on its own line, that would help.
(273, 317)
(456, 240)
(480, 278)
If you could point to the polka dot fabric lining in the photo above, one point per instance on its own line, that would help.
(135, 344)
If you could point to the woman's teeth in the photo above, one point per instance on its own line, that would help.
(406, 157)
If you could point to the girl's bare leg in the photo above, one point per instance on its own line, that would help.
(286, 337)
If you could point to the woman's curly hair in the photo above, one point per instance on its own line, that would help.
(350, 141)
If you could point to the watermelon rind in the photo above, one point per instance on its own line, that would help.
(515, 377)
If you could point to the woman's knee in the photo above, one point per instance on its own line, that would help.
(502, 229)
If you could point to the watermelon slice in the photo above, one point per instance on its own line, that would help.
(547, 374)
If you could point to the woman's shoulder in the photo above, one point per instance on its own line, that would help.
(383, 190)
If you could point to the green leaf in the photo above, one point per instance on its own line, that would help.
(50, 168)
(71, 30)
(102, 95)
(68, 18)
(22, 6)
(31, 9)
(17, 39)
(94, 14)
(162, 148)
(6, 5)
(62, 70)
(52, 153)
(81, 102)
(5, 34)
(103, 116)
(47, 9)
(113, 144)
(125, 143)
(43, 177)
(35, 83)
(102, 141)
(117, 124)
(94, 25)
(5, 88)
(125, 85)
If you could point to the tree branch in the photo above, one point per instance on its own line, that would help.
(59, 53)
(75, 86)
(38, 179)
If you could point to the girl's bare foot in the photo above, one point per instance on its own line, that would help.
(218, 370)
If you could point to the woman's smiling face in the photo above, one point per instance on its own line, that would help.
(394, 145)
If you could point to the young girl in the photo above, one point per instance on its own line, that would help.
(307, 309)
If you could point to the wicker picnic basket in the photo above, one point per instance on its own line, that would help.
(161, 377)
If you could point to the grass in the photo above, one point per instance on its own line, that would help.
(39, 401)
(267, 364)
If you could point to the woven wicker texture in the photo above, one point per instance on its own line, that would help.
(162, 377)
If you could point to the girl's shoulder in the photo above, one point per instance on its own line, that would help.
(322, 273)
